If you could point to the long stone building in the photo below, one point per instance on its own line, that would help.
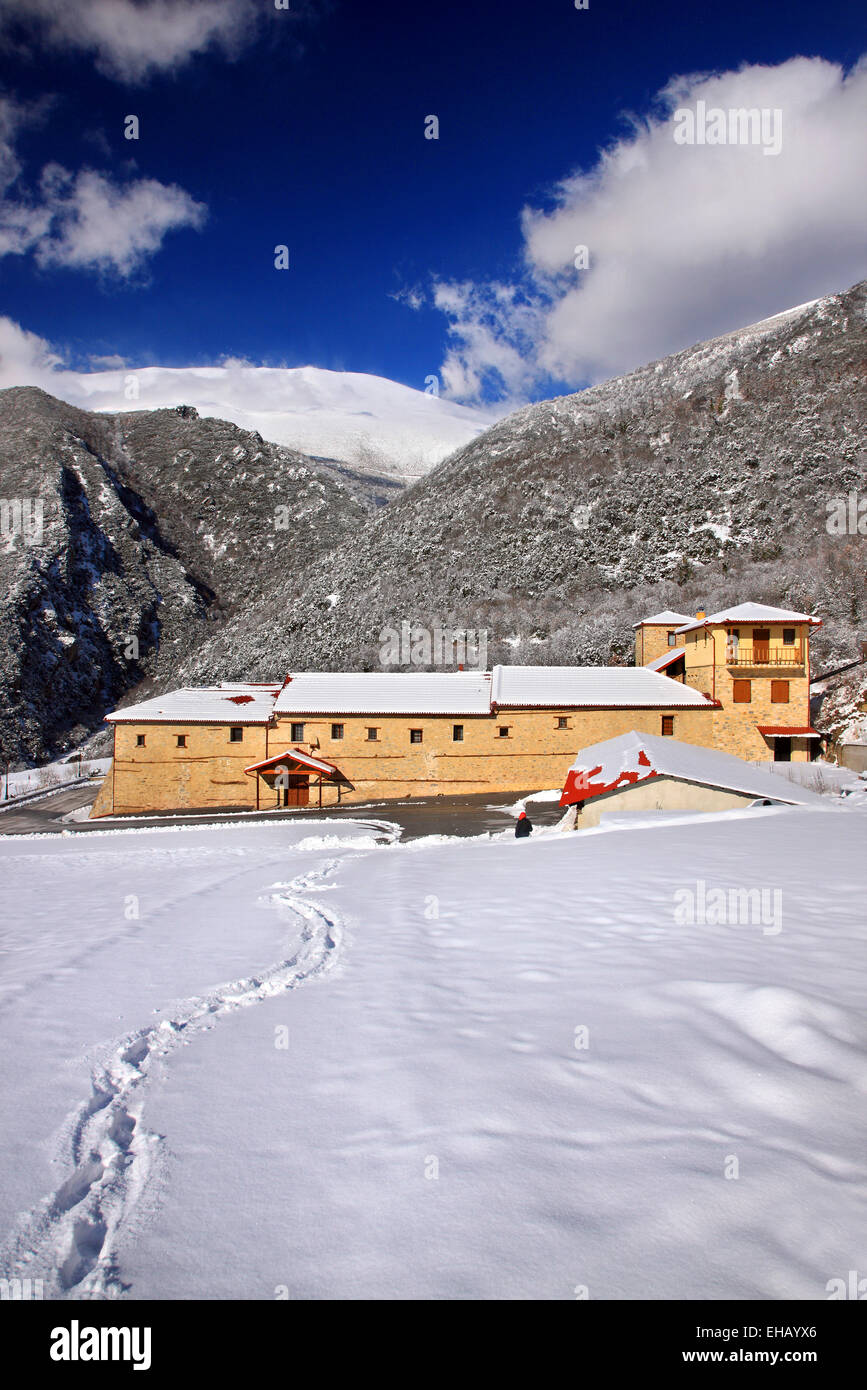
(737, 681)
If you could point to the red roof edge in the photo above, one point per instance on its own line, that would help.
(298, 756)
(577, 787)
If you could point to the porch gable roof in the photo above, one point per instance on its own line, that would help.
(295, 755)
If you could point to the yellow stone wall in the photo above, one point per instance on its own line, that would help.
(660, 794)
(651, 641)
(161, 776)
(103, 802)
(535, 755)
(736, 725)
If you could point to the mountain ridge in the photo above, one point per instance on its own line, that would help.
(701, 478)
(369, 423)
(155, 526)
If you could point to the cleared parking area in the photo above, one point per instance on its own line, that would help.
(466, 815)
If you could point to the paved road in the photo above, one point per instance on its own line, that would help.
(466, 815)
(44, 815)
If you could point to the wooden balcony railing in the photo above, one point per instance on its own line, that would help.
(764, 654)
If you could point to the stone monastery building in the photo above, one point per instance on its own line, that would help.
(737, 681)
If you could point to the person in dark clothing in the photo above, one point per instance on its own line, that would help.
(524, 827)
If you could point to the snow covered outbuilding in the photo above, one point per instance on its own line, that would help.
(646, 772)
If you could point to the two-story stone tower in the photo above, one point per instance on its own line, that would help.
(753, 661)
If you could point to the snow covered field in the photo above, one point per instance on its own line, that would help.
(307, 1061)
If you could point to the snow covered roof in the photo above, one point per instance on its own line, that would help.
(220, 704)
(788, 731)
(750, 613)
(589, 686)
(635, 757)
(386, 692)
(666, 618)
(416, 693)
(662, 661)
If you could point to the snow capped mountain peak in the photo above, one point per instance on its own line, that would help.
(369, 422)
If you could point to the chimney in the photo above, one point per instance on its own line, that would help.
(701, 614)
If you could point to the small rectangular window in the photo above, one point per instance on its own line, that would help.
(297, 733)
(236, 735)
(415, 735)
(788, 637)
(337, 731)
(668, 724)
(457, 733)
(672, 639)
(562, 721)
(182, 740)
(372, 735)
(742, 692)
(503, 731)
(140, 740)
(779, 692)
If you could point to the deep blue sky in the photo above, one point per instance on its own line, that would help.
(324, 150)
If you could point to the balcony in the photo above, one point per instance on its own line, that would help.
(765, 654)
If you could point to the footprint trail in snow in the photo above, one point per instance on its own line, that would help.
(70, 1241)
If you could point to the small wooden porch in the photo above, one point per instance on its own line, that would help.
(286, 779)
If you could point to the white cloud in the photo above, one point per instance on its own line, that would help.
(110, 362)
(25, 358)
(413, 296)
(133, 39)
(494, 328)
(99, 225)
(11, 118)
(685, 241)
(85, 221)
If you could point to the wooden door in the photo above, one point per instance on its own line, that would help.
(296, 792)
(761, 645)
